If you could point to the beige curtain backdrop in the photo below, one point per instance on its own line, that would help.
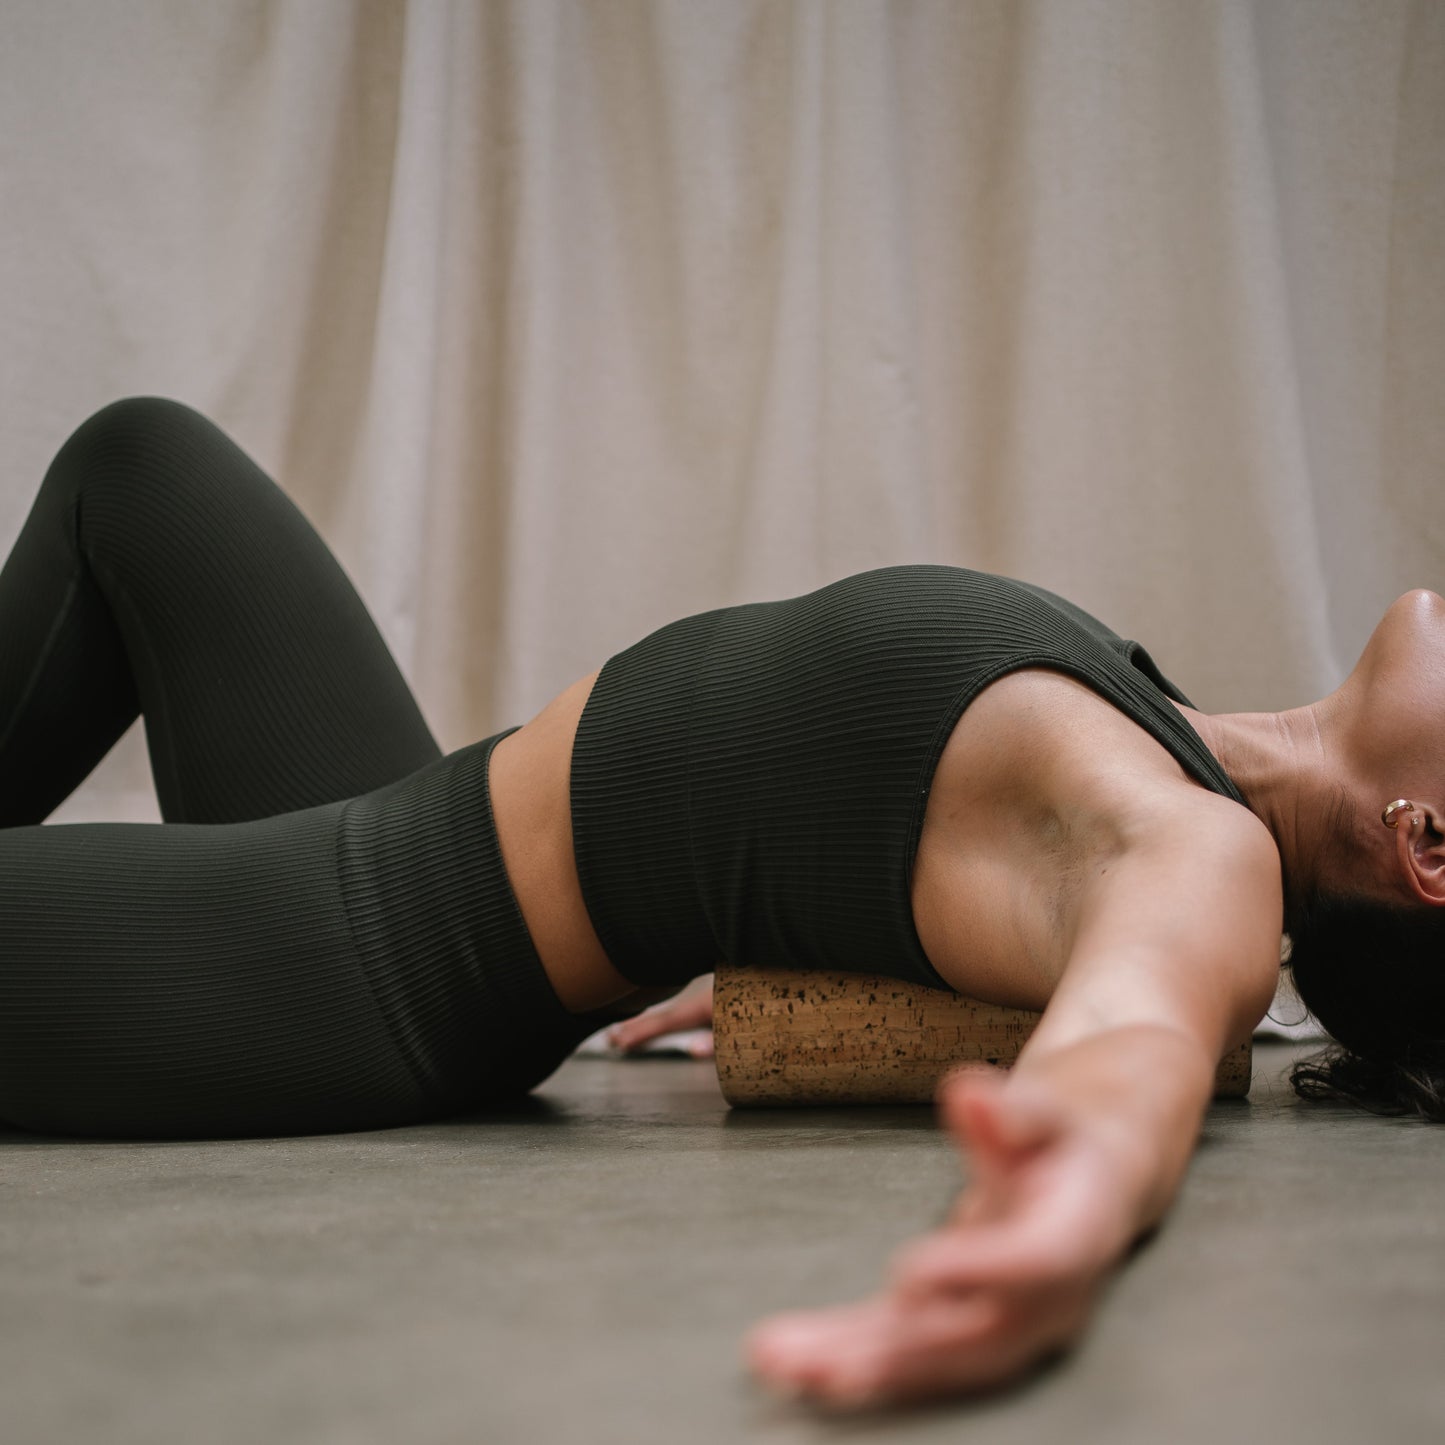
(561, 319)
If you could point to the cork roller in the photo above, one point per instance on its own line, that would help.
(791, 1037)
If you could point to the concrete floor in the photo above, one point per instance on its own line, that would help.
(580, 1270)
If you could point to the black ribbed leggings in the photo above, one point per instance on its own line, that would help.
(320, 936)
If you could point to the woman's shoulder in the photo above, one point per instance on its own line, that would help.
(1061, 800)
(1057, 735)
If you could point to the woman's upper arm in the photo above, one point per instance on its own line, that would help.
(1179, 930)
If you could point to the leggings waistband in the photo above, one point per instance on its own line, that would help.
(441, 938)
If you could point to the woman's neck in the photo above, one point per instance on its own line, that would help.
(1293, 777)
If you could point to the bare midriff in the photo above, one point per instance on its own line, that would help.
(529, 777)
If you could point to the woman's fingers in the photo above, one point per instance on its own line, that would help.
(977, 1302)
(999, 1128)
(969, 1306)
(894, 1350)
(633, 1034)
(1042, 1205)
(988, 1257)
(691, 1009)
(1060, 1218)
(993, 1117)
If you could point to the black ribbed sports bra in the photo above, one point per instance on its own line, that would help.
(749, 784)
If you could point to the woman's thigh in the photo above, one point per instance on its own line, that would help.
(179, 979)
(162, 571)
(349, 966)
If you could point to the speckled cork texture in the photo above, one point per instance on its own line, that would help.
(791, 1037)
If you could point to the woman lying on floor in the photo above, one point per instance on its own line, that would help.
(948, 777)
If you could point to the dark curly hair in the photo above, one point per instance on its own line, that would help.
(1373, 974)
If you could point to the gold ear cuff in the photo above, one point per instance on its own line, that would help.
(1388, 817)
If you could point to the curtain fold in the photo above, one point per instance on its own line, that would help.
(563, 319)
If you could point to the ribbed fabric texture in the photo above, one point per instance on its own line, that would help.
(161, 570)
(750, 784)
(322, 935)
(178, 980)
(441, 939)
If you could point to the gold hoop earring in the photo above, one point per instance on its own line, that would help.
(1388, 817)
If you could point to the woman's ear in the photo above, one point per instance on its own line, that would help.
(1420, 854)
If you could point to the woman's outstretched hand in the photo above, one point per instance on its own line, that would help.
(1007, 1281)
(688, 1010)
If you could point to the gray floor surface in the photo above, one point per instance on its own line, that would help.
(580, 1269)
